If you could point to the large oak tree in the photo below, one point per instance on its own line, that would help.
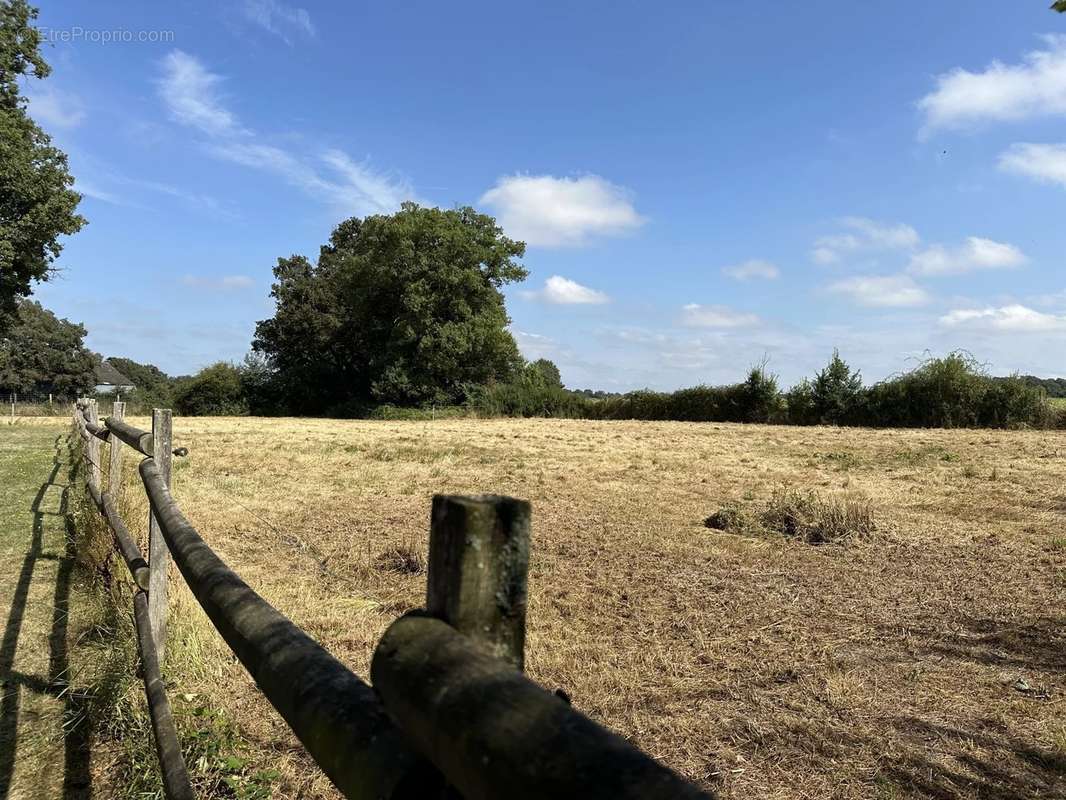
(403, 308)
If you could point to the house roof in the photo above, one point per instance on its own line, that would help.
(106, 374)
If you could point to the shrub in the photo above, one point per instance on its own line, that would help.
(535, 392)
(835, 393)
(214, 391)
(757, 399)
(799, 404)
(953, 392)
(418, 414)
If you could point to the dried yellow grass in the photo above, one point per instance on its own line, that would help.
(887, 666)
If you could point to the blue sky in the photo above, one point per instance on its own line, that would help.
(701, 185)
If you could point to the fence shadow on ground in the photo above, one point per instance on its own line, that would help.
(75, 728)
(986, 761)
(1038, 644)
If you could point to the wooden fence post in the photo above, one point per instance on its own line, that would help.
(93, 450)
(158, 555)
(114, 468)
(478, 562)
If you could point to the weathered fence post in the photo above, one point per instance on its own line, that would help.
(158, 555)
(478, 561)
(114, 468)
(93, 451)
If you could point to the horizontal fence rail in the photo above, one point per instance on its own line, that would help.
(450, 712)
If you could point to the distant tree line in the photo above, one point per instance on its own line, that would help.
(950, 392)
(1055, 387)
(403, 315)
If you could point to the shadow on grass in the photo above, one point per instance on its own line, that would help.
(76, 729)
(985, 762)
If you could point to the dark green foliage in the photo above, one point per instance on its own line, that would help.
(757, 399)
(550, 372)
(261, 390)
(1055, 387)
(836, 393)
(953, 392)
(799, 404)
(535, 392)
(37, 203)
(152, 388)
(403, 309)
(43, 354)
(214, 391)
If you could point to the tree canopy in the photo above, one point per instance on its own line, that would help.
(403, 309)
(37, 203)
(41, 353)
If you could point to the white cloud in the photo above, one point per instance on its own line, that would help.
(889, 291)
(363, 187)
(279, 19)
(975, 254)
(563, 291)
(535, 345)
(189, 91)
(1043, 162)
(753, 268)
(863, 235)
(696, 316)
(560, 212)
(91, 190)
(52, 108)
(220, 282)
(1002, 92)
(1013, 318)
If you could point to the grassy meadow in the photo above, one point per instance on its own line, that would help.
(922, 656)
(922, 659)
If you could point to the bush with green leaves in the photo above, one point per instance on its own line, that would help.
(953, 392)
(535, 392)
(214, 391)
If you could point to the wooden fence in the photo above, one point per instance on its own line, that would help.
(450, 712)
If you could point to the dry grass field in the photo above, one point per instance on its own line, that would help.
(924, 659)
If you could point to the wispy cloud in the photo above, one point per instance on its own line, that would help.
(91, 190)
(1042, 162)
(1013, 318)
(279, 19)
(190, 92)
(535, 345)
(543, 210)
(563, 291)
(217, 282)
(976, 254)
(191, 95)
(888, 291)
(863, 235)
(52, 108)
(753, 268)
(1002, 92)
(694, 315)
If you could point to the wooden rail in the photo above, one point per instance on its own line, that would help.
(450, 713)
